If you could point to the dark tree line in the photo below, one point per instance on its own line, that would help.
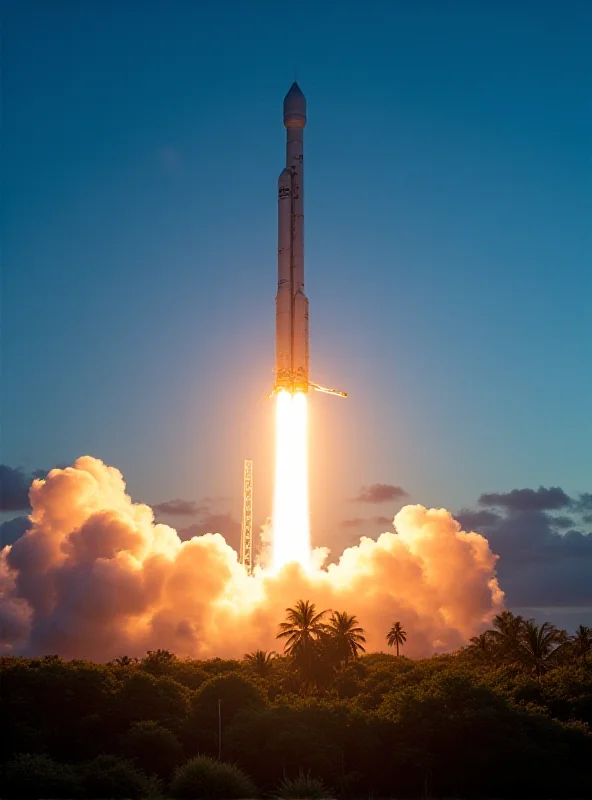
(318, 648)
(521, 643)
(508, 716)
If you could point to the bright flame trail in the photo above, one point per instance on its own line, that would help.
(291, 533)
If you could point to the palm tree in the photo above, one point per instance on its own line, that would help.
(507, 633)
(582, 641)
(260, 662)
(346, 636)
(124, 661)
(302, 628)
(396, 636)
(482, 646)
(539, 646)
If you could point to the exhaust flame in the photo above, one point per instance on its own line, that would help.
(291, 533)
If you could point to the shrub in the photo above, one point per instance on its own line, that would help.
(109, 776)
(33, 776)
(153, 749)
(302, 786)
(203, 777)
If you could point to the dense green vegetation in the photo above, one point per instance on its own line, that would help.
(508, 716)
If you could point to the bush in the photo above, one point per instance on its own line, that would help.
(109, 776)
(302, 786)
(153, 749)
(202, 777)
(33, 776)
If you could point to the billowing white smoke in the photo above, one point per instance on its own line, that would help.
(95, 578)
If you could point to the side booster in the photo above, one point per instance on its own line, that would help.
(291, 335)
(292, 349)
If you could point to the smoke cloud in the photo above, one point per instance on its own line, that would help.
(94, 577)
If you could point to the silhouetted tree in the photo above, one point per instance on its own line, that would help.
(582, 641)
(346, 636)
(303, 631)
(539, 646)
(482, 646)
(303, 626)
(124, 661)
(396, 637)
(507, 632)
(159, 662)
(261, 662)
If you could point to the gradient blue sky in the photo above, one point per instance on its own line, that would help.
(448, 242)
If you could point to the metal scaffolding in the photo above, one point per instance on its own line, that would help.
(246, 546)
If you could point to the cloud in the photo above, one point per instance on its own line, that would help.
(382, 520)
(180, 508)
(14, 488)
(584, 502)
(95, 577)
(354, 522)
(224, 524)
(562, 523)
(13, 529)
(544, 559)
(528, 499)
(380, 493)
(477, 520)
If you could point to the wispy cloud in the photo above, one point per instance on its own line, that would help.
(179, 508)
(380, 493)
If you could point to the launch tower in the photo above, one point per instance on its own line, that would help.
(246, 544)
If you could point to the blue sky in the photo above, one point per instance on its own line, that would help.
(448, 243)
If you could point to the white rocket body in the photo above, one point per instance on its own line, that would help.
(291, 335)
(291, 368)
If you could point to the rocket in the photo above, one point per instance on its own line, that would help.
(292, 339)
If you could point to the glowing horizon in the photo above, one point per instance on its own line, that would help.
(290, 524)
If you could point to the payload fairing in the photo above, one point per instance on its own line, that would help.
(292, 340)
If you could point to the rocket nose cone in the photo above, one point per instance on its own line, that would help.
(295, 107)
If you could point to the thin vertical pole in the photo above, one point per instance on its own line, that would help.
(219, 730)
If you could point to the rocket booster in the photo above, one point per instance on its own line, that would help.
(291, 367)
(292, 341)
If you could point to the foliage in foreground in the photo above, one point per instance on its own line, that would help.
(302, 787)
(203, 777)
(29, 777)
(153, 748)
(508, 716)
